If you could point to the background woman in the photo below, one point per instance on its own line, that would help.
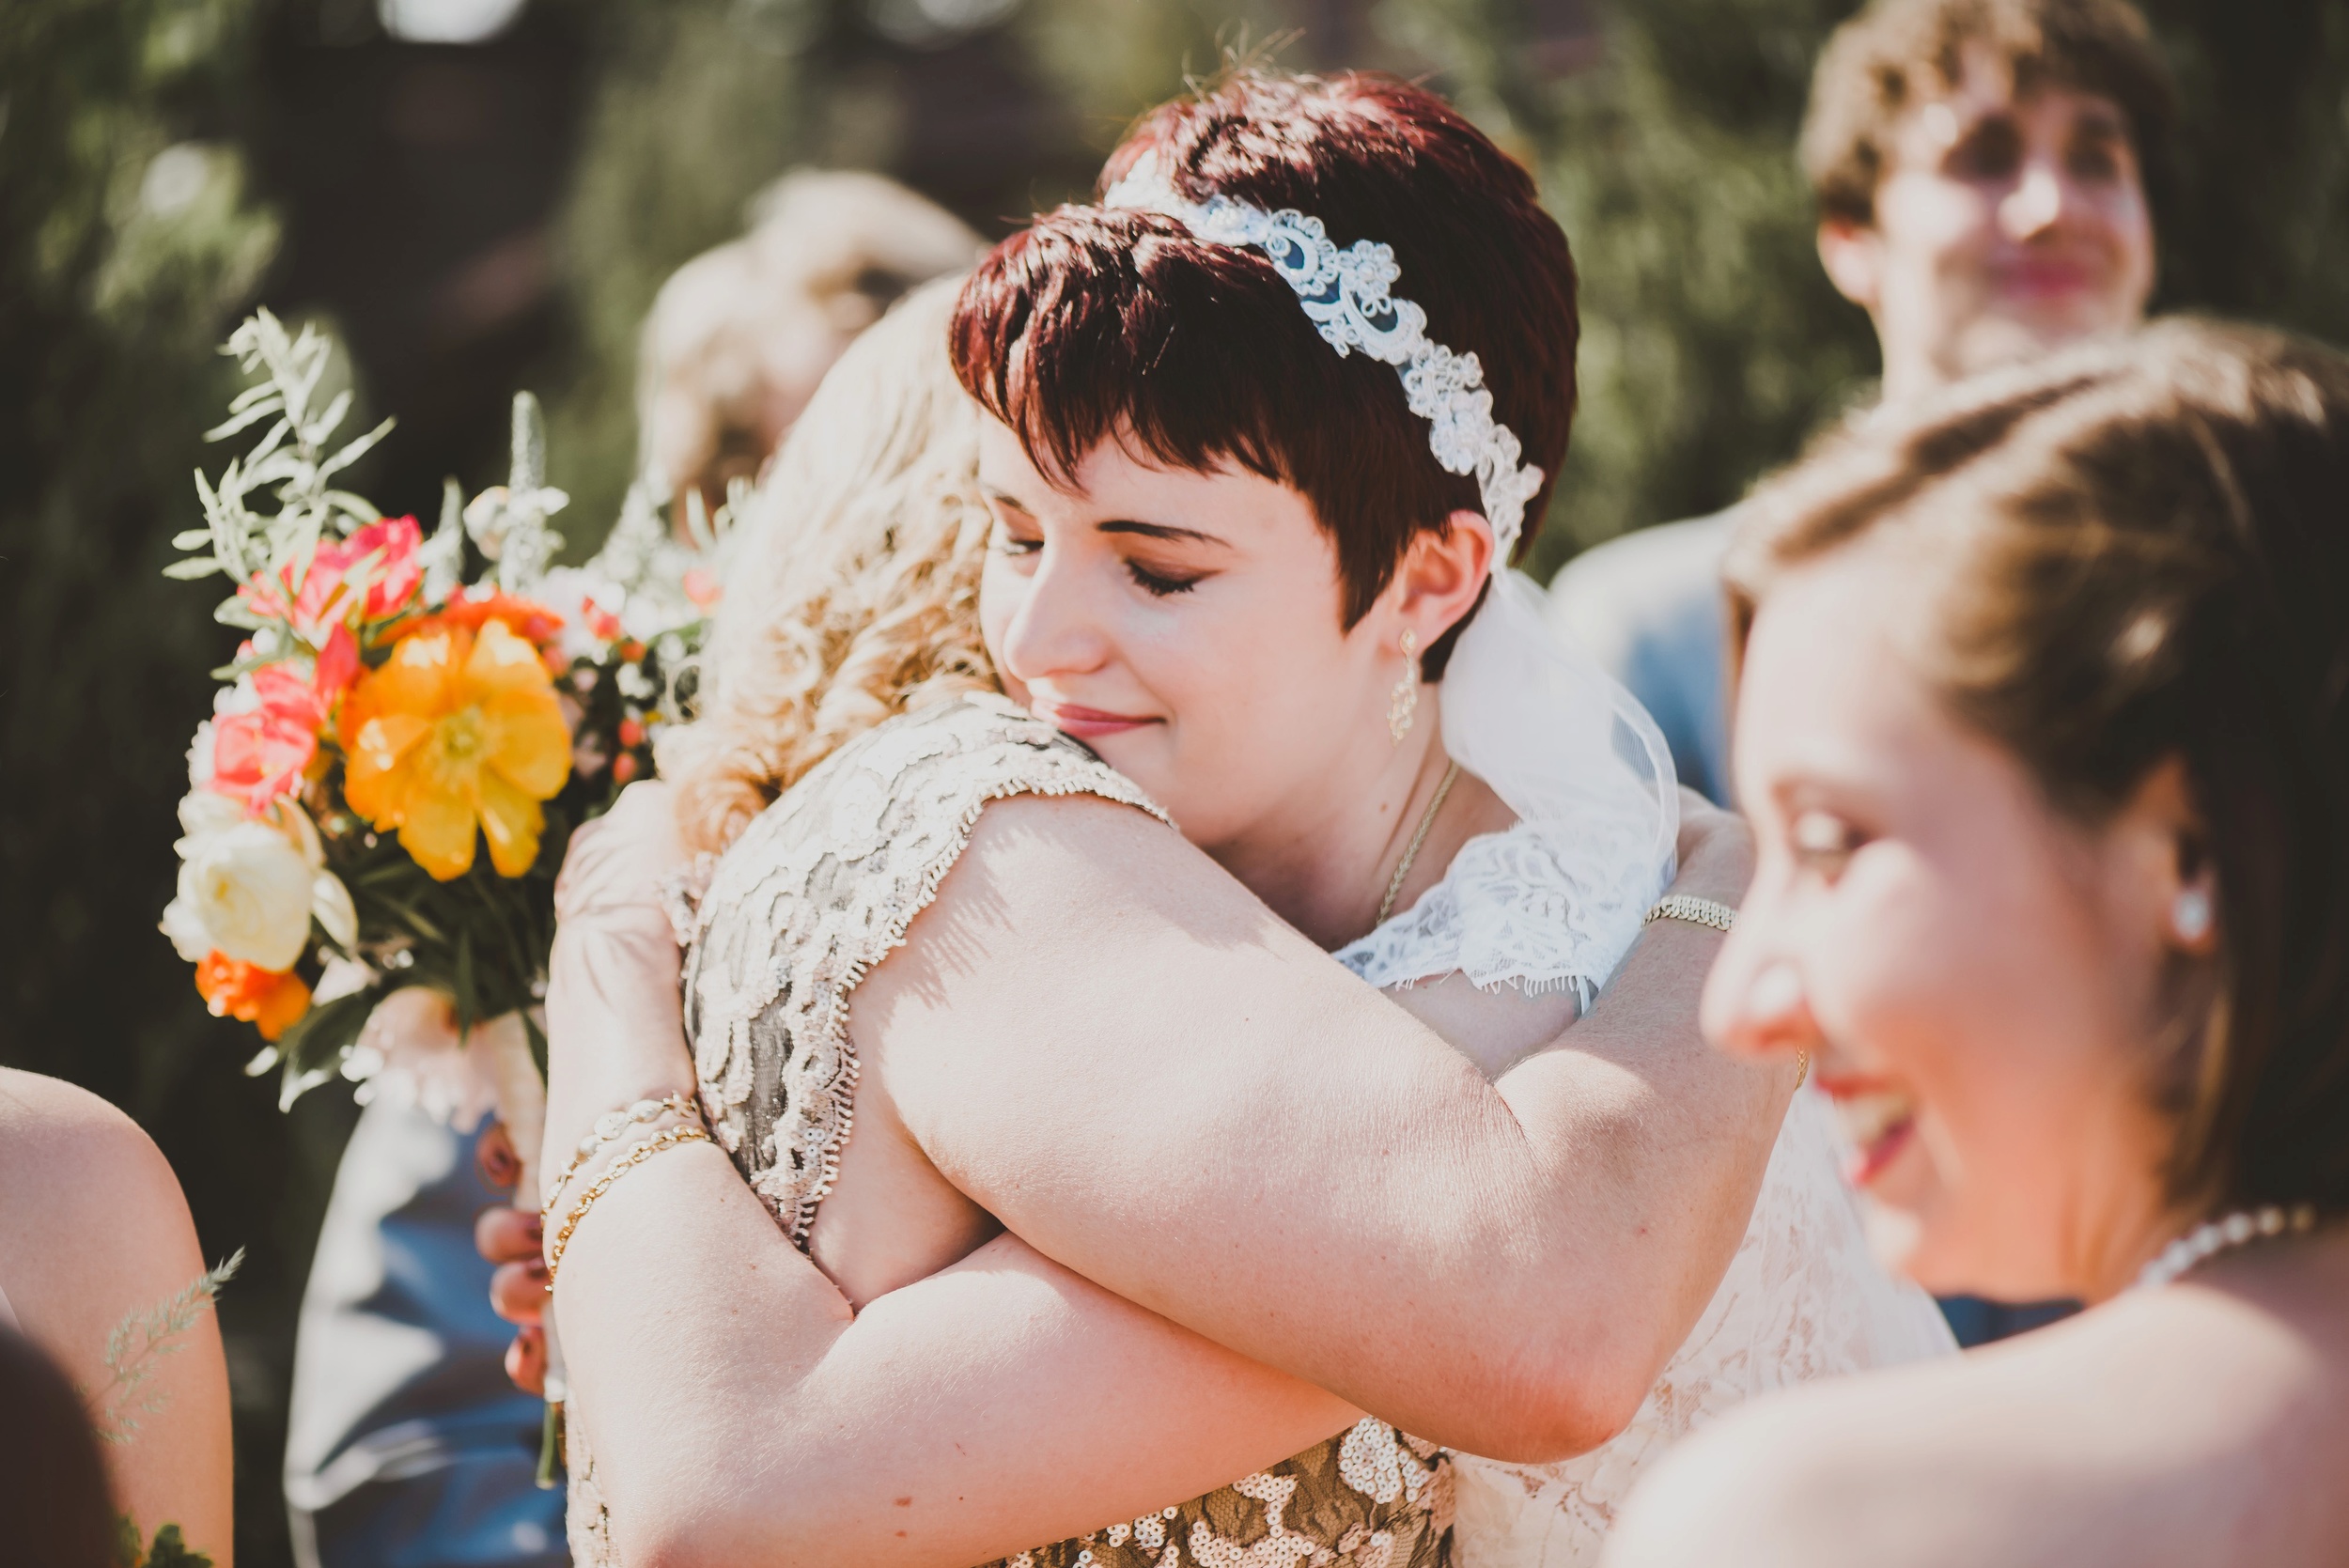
(2045, 728)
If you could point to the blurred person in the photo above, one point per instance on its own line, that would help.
(405, 1441)
(739, 337)
(2044, 724)
(55, 1508)
(1978, 167)
(94, 1238)
(1202, 1107)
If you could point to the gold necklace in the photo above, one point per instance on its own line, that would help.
(1410, 853)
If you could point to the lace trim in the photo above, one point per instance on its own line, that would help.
(1513, 909)
(819, 889)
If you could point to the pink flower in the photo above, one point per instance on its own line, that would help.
(396, 577)
(373, 574)
(262, 753)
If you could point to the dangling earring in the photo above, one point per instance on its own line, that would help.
(1405, 700)
(2189, 917)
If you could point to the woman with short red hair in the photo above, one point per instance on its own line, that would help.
(1263, 429)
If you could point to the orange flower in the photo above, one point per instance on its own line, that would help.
(523, 617)
(458, 729)
(270, 1001)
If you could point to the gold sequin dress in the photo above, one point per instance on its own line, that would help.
(813, 895)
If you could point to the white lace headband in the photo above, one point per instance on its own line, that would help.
(1345, 292)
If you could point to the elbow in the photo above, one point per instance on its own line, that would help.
(1562, 1406)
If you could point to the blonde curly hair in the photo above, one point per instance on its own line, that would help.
(854, 595)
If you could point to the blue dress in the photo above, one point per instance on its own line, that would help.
(407, 1445)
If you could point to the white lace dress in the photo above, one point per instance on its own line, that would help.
(1803, 1297)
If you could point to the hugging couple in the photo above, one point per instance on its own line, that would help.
(1125, 631)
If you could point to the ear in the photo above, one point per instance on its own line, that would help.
(1853, 255)
(2171, 877)
(1442, 575)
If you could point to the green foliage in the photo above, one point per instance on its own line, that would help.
(169, 1550)
(698, 104)
(141, 1339)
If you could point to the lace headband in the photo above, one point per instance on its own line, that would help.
(1346, 294)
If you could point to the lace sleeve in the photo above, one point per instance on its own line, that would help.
(819, 889)
(1517, 909)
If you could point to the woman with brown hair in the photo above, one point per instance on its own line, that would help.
(2043, 723)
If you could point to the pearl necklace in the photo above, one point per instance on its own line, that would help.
(2206, 1241)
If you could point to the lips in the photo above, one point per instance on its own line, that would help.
(1088, 724)
(1877, 1120)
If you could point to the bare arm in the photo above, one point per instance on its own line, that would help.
(1090, 1012)
(93, 1230)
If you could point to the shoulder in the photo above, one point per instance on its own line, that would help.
(91, 1216)
(1854, 1471)
(1643, 584)
(2185, 1428)
(69, 1147)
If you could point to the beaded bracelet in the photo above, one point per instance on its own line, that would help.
(602, 1184)
(1696, 912)
(609, 1127)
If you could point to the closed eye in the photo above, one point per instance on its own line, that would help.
(1157, 584)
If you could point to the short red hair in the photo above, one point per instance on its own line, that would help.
(1095, 324)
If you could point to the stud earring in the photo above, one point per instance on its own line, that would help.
(2190, 916)
(1403, 702)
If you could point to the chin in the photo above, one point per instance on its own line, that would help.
(1939, 1253)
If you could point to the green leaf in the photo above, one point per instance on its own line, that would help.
(327, 1032)
(193, 567)
(355, 451)
(242, 419)
(192, 538)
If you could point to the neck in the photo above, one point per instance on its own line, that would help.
(1322, 861)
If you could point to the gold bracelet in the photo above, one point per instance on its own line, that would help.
(610, 1127)
(1696, 912)
(620, 1167)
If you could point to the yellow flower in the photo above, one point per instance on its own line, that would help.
(458, 728)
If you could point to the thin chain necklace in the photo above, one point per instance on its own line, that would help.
(2206, 1241)
(1410, 853)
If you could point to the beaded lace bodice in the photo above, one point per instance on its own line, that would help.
(816, 892)
(1803, 1297)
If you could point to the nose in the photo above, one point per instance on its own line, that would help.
(1756, 1002)
(2036, 204)
(1054, 631)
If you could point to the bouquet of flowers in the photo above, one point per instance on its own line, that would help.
(406, 737)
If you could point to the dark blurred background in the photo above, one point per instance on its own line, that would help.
(478, 195)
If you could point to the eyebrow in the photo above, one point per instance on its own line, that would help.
(1160, 531)
(1117, 525)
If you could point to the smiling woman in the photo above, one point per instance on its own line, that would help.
(2043, 727)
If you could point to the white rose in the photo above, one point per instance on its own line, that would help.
(185, 928)
(202, 813)
(251, 891)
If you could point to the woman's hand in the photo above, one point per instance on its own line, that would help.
(617, 865)
(1716, 852)
(611, 921)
